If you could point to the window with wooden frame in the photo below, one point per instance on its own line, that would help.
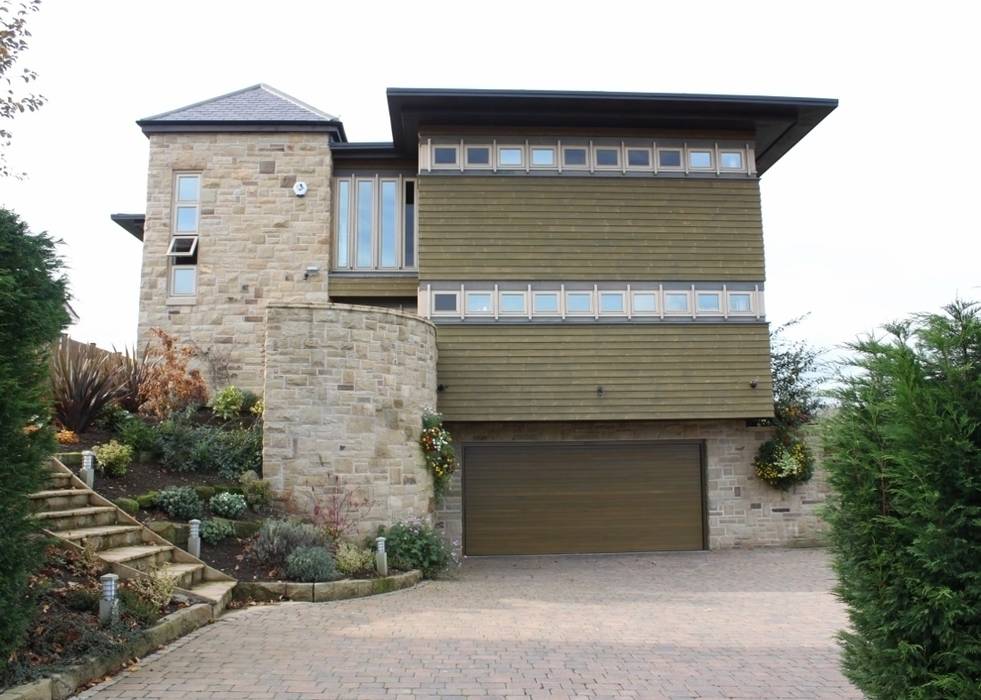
(375, 223)
(740, 303)
(512, 303)
(446, 303)
(677, 302)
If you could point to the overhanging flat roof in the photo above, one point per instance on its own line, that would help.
(778, 123)
(133, 223)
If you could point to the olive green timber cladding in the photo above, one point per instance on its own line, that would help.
(373, 286)
(534, 372)
(589, 228)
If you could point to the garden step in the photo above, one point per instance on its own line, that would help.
(218, 592)
(59, 499)
(104, 536)
(184, 575)
(59, 480)
(141, 557)
(75, 518)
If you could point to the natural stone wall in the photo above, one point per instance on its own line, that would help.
(345, 390)
(256, 238)
(742, 510)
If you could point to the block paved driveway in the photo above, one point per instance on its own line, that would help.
(746, 624)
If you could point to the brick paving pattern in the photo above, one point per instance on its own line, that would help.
(729, 624)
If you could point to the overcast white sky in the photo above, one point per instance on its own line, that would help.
(872, 216)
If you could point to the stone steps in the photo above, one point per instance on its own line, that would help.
(70, 511)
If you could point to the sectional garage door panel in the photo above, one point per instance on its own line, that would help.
(555, 498)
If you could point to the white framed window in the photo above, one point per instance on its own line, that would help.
(644, 303)
(740, 303)
(510, 157)
(183, 280)
(606, 157)
(187, 203)
(480, 303)
(446, 303)
(375, 223)
(669, 159)
(512, 303)
(478, 156)
(183, 246)
(708, 302)
(700, 159)
(612, 303)
(731, 160)
(677, 302)
(543, 157)
(578, 302)
(639, 158)
(575, 158)
(446, 156)
(545, 303)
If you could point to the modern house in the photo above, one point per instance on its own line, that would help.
(575, 280)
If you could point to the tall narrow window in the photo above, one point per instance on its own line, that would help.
(366, 206)
(409, 225)
(343, 223)
(389, 236)
(183, 249)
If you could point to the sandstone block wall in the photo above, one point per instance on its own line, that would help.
(345, 390)
(742, 510)
(256, 238)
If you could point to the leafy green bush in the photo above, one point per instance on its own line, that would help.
(215, 530)
(180, 502)
(112, 418)
(353, 560)
(154, 586)
(257, 492)
(227, 505)
(139, 608)
(113, 458)
(310, 565)
(903, 454)
(250, 403)
(416, 545)
(140, 435)
(278, 538)
(228, 402)
(226, 451)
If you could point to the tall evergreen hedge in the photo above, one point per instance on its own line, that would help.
(32, 315)
(904, 458)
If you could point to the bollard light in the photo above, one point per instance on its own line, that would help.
(87, 472)
(109, 603)
(194, 539)
(381, 557)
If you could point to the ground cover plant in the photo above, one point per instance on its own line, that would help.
(903, 453)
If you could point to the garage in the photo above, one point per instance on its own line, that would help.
(577, 498)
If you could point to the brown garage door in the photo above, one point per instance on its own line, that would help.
(552, 498)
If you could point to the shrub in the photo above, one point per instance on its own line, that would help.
(252, 404)
(133, 366)
(66, 437)
(258, 408)
(353, 560)
(113, 458)
(139, 608)
(228, 505)
(238, 450)
(902, 453)
(228, 402)
(180, 502)
(84, 382)
(169, 386)
(310, 564)
(128, 505)
(416, 545)
(140, 435)
(215, 530)
(155, 587)
(112, 418)
(257, 492)
(278, 538)
(227, 451)
(339, 509)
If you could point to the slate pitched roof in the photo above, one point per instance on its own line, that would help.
(258, 104)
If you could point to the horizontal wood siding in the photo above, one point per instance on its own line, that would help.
(343, 286)
(647, 371)
(589, 228)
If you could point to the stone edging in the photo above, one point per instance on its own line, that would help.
(59, 686)
(266, 591)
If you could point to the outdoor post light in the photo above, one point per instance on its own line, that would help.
(381, 557)
(108, 602)
(87, 471)
(194, 539)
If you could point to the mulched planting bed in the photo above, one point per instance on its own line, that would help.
(66, 624)
(232, 557)
(148, 476)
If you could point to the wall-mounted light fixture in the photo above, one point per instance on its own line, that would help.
(754, 383)
(311, 271)
(441, 388)
(600, 392)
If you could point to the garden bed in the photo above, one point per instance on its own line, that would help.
(142, 477)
